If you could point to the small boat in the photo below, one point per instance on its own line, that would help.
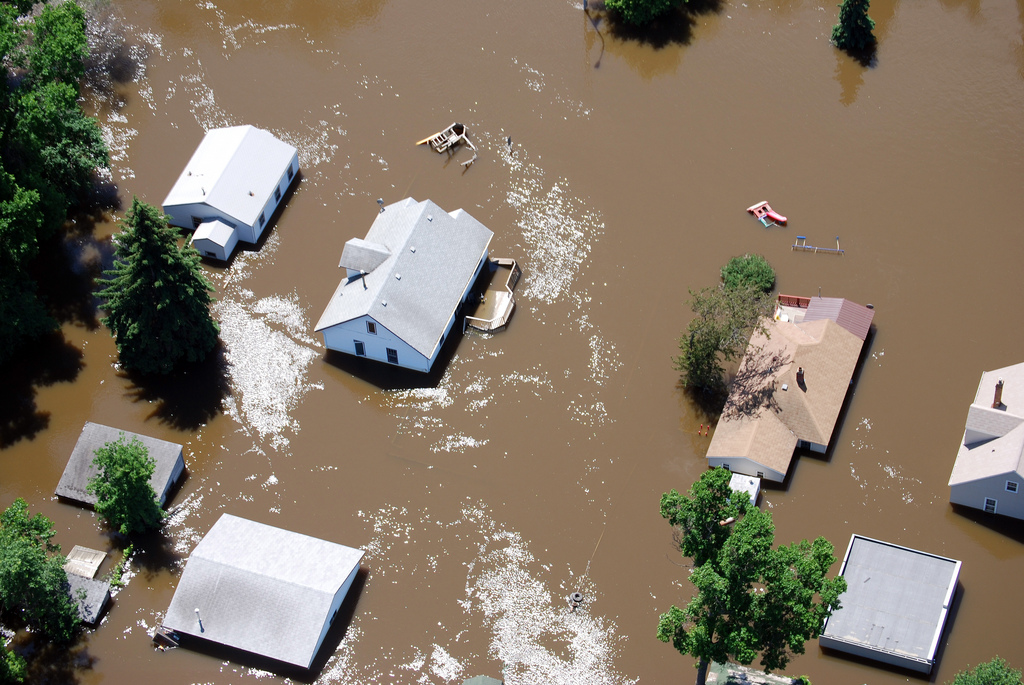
(448, 138)
(766, 215)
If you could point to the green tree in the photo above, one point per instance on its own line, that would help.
(124, 496)
(749, 270)
(59, 45)
(751, 598)
(157, 299)
(994, 672)
(12, 667)
(723, 321)
(853, 33)
(33, 584)
(641, 12)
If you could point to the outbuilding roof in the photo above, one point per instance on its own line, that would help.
(261, 589)
(215, 231)
(419, 261)
(234, 170)
(80, 469)
(895, 605)
(89, 595)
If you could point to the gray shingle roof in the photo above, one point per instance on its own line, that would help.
(993, 442)
(95, 593)
(261, 589)
(234, 170)
(416, 288)
(80, 469)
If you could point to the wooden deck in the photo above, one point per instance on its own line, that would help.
(496, 301)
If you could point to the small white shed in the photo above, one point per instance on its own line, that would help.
(215, 239)
(237, 175)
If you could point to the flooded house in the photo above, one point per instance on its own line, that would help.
(230, 188)
(404, 283)
(790, 386)
(988, 473)
(262, 590)
(74, 482)
(896, 604)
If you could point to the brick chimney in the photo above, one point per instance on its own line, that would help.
(998, 401)
(800, 376)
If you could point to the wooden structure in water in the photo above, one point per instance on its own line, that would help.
(496, 302)
(801, 245)
(449, 139)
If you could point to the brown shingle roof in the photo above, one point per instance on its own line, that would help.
(761, 421)
(854, 317)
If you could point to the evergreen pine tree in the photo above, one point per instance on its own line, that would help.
(853, 32)
(157, 299)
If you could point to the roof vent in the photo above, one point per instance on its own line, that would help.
(398, 277)
(412, 249)
(251, 194)
(383, 303)
(430, 217)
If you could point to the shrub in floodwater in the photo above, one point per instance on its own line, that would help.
(750, 270)
(640, 12)
(853, 33)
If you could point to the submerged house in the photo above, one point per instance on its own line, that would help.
(896, 604)
(790, 387)
(404, 284)
(988, 473)
(74, 482)
(230, 188)
(262, 590)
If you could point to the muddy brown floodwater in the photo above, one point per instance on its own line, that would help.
(531, 465)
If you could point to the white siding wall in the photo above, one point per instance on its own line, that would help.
(179, 468)
(343, 336)
(744, 465)
(973, 494)
(181, 215)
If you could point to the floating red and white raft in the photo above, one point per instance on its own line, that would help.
(766, 215)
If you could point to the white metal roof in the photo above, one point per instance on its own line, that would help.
(234, 170)
(260, 589)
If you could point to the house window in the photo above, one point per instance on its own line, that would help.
(371, 328)
(277, 194)
(290, 172)
(392, 356)
(760, 474)
(990, 505)
(360, 348)
(196, 221)
(1011, 486)
(214, 254)
(263, 220)
(726, 467)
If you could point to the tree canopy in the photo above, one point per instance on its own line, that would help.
(752, 598)
(994, 672)
(641, 12)
(157, 299)
(49, 151)
(33, 584)
(723, 321)
(751, 270)
(125, 498)
(854, 32)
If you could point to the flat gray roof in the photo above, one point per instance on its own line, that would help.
(895, 604)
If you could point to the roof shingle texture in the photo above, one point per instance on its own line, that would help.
(80, 469)
(413, 292)
(260, 589)
(761, 421)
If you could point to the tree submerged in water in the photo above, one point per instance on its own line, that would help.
(853, 33)
(157, 299)
(641, 12)
(751, 598)
(124, 496)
